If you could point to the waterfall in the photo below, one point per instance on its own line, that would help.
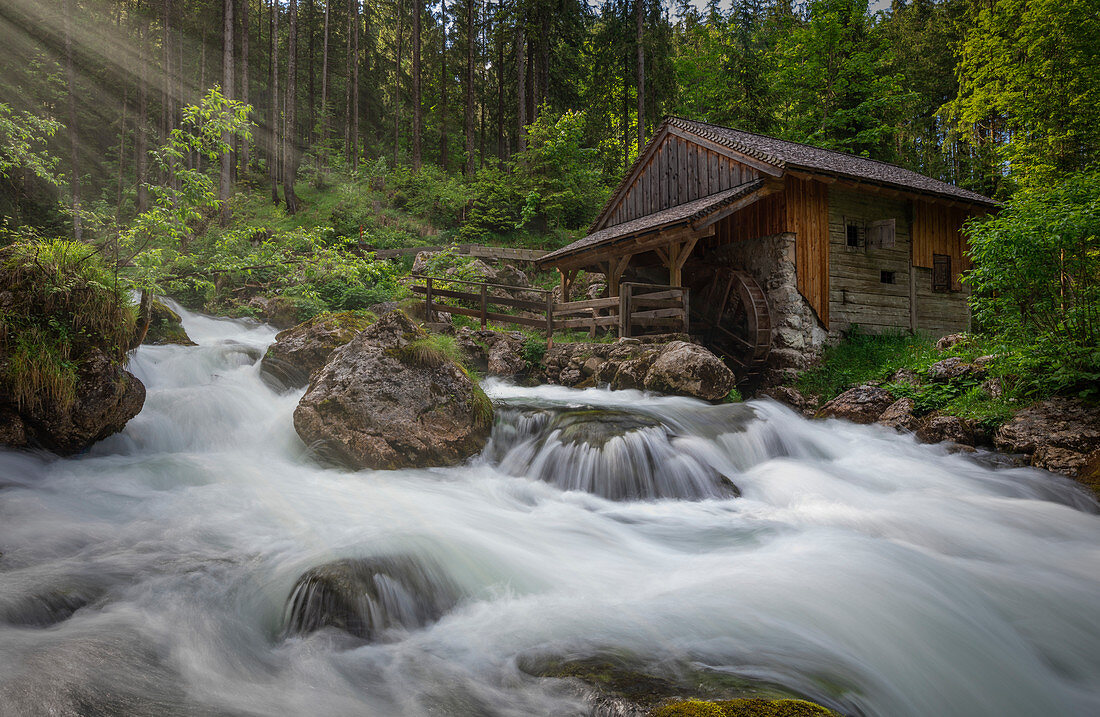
(201, 563)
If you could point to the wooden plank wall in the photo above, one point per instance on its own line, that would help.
(937, 229)
(939, 313)
(807, 215)
(678, 172)
(856, 292)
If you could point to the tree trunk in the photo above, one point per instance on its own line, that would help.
(225, 185)
(355, 89)
(312, 88)
(70, 75)
(290, 136)
(471, 44)
(443, 84)
(521, 86)
(500, 79)
(141, 140)
(246, 154)
(348, 61)
(639, 12)
(397, 82)
(417, 9)
(324, 80)
(276, 115)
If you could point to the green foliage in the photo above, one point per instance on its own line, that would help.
(734, 396)
(63, 304)
(1036, 282)
(1029, 73)
(534, 351)
(23, 138)
(865, 357)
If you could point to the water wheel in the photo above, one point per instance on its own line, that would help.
(730, 313)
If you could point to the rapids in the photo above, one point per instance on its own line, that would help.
(859, 569)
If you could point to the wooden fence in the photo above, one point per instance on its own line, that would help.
(637, 305)
(475, 250)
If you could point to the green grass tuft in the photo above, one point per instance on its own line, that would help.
(431, 351)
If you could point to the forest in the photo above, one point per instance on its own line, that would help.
(211, 149)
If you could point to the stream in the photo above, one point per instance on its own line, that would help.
(842, 563)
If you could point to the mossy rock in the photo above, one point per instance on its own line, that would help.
(165, 327)
(753, 707)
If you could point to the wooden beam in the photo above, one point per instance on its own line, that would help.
(719, 215)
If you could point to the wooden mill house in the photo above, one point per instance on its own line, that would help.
(780, 245)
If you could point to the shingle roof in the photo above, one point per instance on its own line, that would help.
(680, 214)
(792, 155)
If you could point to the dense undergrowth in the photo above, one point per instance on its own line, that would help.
(60, 303)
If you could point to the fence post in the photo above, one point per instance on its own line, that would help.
(428, 298)
(549, 319)
(484, 305)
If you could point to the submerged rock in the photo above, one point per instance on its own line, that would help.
(368, 597)
(165, 327)
(617, 455)
(753, 707)
(391, 398)
(49, 605)
(301, 350)
(862, 404)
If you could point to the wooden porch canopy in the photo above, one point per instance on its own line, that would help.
(669, 233)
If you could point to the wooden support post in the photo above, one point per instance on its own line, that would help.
(687, 310)
(625, 292)
(677, 257)
(567, 278)
(615, 274)
(549, 319)
(428, 298)
(484, 305)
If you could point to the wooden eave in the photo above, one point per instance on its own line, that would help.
(884, 188)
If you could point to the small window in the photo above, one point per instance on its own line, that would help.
(888, 277)
(941, 273)
(853, 236)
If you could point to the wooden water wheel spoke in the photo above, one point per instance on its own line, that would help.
(731, 313)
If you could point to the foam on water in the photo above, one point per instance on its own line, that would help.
(858, 568)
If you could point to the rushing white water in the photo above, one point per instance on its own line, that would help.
(875, 575)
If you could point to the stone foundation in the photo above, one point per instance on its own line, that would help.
(797, 335)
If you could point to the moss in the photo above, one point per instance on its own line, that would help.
(481, 407)
(612, 677)
(165, 327)
(742, 708)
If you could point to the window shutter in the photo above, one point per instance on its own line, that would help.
(880, 234)
(941, 273)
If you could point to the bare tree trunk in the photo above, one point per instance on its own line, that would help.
(521, 86)
(348, 60)
(141, 140)
(121, 148)
(355, 89)
(290, 136)
(226, 183)
(276, 115)
(246, 155)
(471, 43)
(397, 81)
(500, 79)
(639, 12)
(417, 10)
(443, 84)
(70, 75)
(312, 86)
(324, 78)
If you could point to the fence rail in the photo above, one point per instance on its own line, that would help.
(474, 250)
(637, 305)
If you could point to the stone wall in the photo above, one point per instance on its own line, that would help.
(797, 335)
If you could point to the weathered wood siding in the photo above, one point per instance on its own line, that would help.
(937, 229)
(676, 172)
(807, 215)
(857, 294)
(939, 314)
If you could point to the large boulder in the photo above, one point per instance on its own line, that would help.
(690, 370)
(165, 327)
(899, 415)
(1059, 434)
(862, 404)
(301, 350)
(393, 398)
(494, 353)
(940, 428)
